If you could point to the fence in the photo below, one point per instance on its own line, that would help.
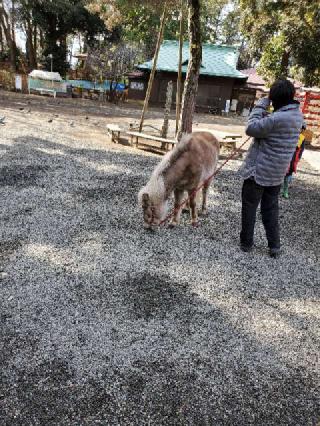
(37, 84)
(310, 106)
(90, 85)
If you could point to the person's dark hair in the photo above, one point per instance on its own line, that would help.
(281, 93)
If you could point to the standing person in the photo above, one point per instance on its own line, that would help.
(275, 139)
(294, 163)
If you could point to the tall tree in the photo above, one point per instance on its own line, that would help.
(274, 61)
(138, 19)
(211, 19)
(219, 19)
(112, 61)
(154, 65)
(195, 39)
(294, 23)
(179, 80)
(26, 22)
(60, 18)
(229, 32)
(7, 27)
(192, 77)
(301, 29)
(139, 22)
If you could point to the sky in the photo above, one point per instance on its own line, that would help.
(21, 40)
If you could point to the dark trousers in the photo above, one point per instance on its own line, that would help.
(252, 195)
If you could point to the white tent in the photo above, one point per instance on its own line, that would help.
(45, 82)
(45, 75)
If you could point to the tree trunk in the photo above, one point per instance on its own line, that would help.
(154, 67)
(165, 127)
(285, 63)
(29, 45)
(179, 80)
(13, 45)
(192, 78)
(5, 24)
(113, 90)
(13, 55)
(1, 40)
(41, 39)
(35, 46)
(13, 20)
(26, 30)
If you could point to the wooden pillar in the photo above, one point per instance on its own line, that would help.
(192, 78)
(179, 80)
(154, 67)
(165, 127)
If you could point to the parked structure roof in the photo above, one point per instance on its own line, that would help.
(217, 61)
(254, 79)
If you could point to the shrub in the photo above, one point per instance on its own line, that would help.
(7, 80)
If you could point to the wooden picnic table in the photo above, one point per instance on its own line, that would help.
(226, 139)
(114, 130)
(164, 142)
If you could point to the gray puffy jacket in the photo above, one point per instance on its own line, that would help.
(275, 140)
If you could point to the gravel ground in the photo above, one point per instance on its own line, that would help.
(105, 323)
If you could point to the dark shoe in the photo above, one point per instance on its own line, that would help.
(274, 253)
(246, 249)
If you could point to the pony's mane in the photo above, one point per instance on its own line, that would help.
(155, 187)
(171, 157)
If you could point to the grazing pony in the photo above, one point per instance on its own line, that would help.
(185, 168)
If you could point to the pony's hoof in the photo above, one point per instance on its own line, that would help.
(195, 224)
(152, 229)
(186, 207)
(173, 225)
(203, 212)
(149, 228)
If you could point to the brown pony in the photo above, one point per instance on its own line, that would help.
(185, 168)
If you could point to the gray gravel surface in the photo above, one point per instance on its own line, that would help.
(103, 323)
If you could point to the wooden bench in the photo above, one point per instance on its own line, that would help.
(47, 92)
(114, 131)
(164, 142)
(230, 141)
(226, 139)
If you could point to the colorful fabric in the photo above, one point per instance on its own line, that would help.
(301, 140)
(297, 155)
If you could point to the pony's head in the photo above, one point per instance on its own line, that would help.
(154, 210)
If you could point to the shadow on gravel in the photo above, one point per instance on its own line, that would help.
(148, 296)
(195, 367)
(7, 248)
(225, 377)
(21, 176)
(127, 343)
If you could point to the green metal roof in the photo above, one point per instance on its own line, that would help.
(218, 61)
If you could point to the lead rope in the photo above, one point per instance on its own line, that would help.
(194, 192)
